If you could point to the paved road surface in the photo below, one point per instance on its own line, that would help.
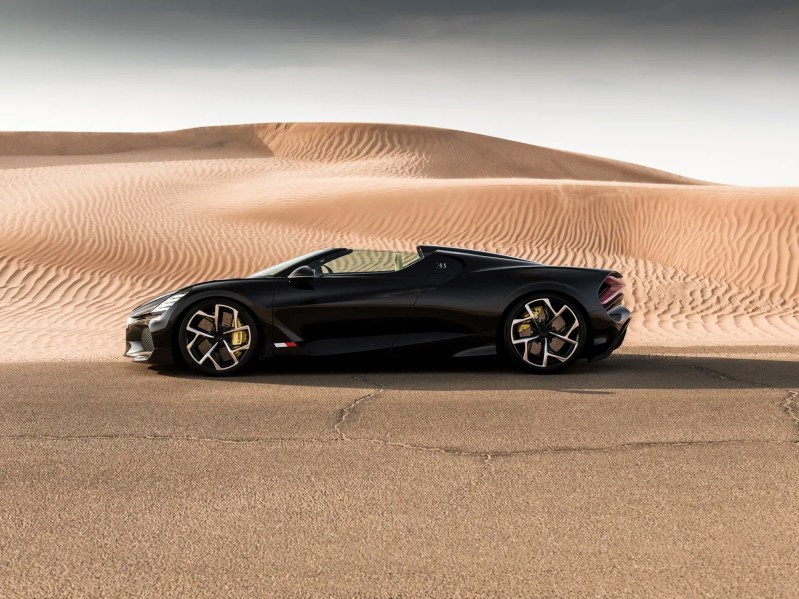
(642, 475)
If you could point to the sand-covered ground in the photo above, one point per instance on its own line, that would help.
(93, 223)
(645, 476)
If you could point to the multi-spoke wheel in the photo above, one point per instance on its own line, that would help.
(218, 337)
(545, 333)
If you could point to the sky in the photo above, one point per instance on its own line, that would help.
(704, 88)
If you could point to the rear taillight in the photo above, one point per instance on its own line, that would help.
(611, 292)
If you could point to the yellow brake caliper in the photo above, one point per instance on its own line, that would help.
(525, 329)
(239, 337)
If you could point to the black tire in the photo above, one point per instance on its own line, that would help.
(539, 339)
(204, 344)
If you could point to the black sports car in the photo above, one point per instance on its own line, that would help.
(454, 302)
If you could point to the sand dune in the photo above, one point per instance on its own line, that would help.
(409, 150)
(91, 223)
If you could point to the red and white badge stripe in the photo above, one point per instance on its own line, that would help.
(286, 344)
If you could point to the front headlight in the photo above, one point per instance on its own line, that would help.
(167, 303)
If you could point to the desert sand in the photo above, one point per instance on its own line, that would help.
(91, 224)
(659, 472)
(640, 476)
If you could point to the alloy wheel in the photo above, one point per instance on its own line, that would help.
(545, 332)
(217, 337)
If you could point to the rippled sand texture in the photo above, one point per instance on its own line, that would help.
(93, 223)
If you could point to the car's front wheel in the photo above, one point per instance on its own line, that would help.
(545, 333)
(218, 337)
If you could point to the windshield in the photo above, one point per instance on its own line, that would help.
(275, 270)
(364, 261)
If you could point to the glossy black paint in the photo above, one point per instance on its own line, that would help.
(452, 302)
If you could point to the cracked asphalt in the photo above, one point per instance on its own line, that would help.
(644, 475)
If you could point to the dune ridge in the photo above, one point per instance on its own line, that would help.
(93, 223)
(424, 151)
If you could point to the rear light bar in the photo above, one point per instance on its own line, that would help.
(610, 292)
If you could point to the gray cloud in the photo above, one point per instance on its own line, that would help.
(767, 27)
(347, 14)
(612, 35)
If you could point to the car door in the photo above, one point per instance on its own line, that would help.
(441, 311)
(342, 313)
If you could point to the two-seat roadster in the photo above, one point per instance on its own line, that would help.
(446, 301)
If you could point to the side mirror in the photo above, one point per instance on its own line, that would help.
(301, 273)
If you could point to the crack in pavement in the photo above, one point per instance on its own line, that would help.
(488, 456)
(141, 437)
(344, 413)
(789, 406)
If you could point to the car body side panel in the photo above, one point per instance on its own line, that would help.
(345, 313)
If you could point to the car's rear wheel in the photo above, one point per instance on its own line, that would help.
(545, 333)
(218, 337)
